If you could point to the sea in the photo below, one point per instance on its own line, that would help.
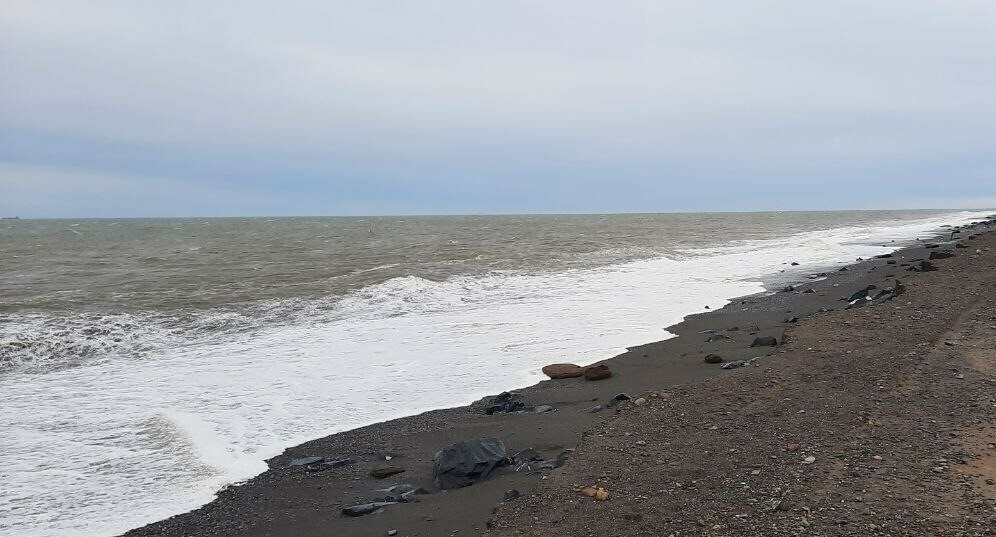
(147, 363)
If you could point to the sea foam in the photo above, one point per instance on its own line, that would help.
(161, 412)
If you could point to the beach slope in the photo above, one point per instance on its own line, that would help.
(872, 421)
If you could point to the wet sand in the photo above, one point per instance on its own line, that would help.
(288, 500)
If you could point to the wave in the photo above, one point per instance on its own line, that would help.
(146, 415)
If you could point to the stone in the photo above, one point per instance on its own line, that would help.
(940, 255)
(717, 337)
(809, 291)
(734, 364)
(597, 493)
(468, 462)
(862, 294)
(528, 454)
(505, 402)
(621, 397)
(927, 266)
(365, 509)
(597, 372)
(792, 447)
(304, 461)
(392, 533)
(764, 341)
(563, 371)
(510, 495)
(326, 464)
(402, 493)
(639, 401)
(794, 264)
(713, 359)
(385, 470)
(809, 460)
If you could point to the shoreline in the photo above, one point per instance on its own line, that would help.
(877, 421)
(289, 500)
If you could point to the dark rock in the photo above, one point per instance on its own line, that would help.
(883, 256)
(326, 464)
(713, 359)
(465, 463)
(717, 337)
(403, 493)
(304, 461)
(931, 245)
(791, 320)
(927, 266)
(510, 495)
(539, 409)
(621, 397)
(788, 289)
(597, 372)
(898, 288)
(385, 470)
(940, 255)
(862, 294)
(884, 294)
(891, 262)
(528, 454)
(764, 341)
(563, 371)
(810, 290)
(505, 402)
(961, 245)
(530, 467)
(365, 509)
(794, 264)
(562, 457)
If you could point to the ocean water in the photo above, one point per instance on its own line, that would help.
(144, 364)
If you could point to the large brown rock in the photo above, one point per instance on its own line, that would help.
(597, 372)
(563, 371)
(385, 470)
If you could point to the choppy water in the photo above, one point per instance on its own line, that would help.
(146, 363)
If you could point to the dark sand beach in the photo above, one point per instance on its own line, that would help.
(909, 378)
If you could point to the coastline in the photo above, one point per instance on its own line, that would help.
(877, 421)
(288, 500)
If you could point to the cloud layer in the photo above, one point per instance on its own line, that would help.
(426, 107)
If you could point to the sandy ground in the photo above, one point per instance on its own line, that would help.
(708, 449)
(895, 403)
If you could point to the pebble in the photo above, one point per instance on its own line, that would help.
(392, 532)
(639, 401)
(809, 460)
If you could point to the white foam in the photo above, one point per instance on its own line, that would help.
(116, 443)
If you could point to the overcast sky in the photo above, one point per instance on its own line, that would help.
(153, 108)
